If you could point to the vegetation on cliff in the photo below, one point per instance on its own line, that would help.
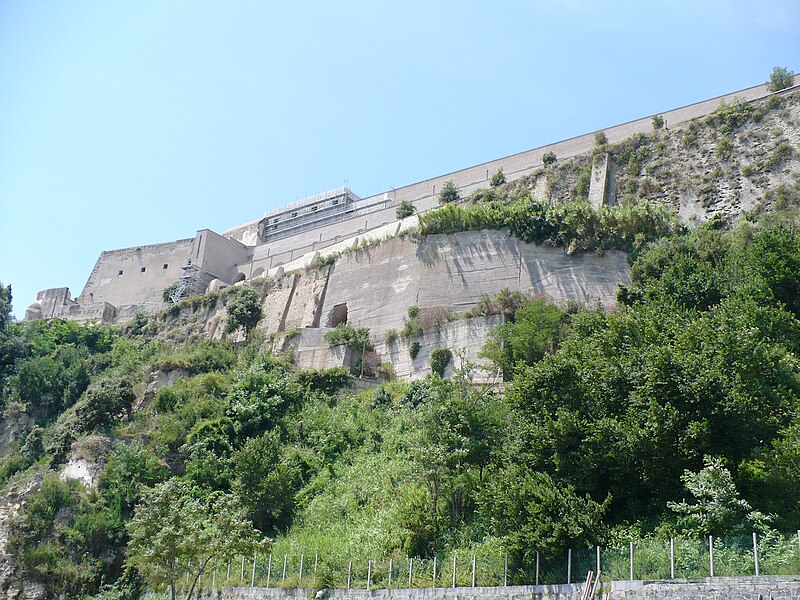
(612, 425)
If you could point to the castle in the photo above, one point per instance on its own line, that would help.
(453, 271)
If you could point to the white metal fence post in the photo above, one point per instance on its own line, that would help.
(349, 573)
(391, 568)
(253, 574)
(473, 570)
(755, 553)
(569, 566)
(598, 559)
(369, 574)
(537, 567)
(672, 558)
(505, 571)
(302, 557)
(631, 553)
(454, 570)
(410, 571)
(269, 569)
(711, 554)
(433, 585)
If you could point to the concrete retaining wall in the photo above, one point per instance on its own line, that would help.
(720, 588)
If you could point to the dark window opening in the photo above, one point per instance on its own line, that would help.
(165, 265)
(339, 314)
(120, 272)
(239, 277)
(143, 269)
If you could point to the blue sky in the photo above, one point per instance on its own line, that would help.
(127, 123)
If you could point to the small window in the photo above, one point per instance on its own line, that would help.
(334, 203)
(143, 269)
(313, 208)
(294, 214)
(120, 272)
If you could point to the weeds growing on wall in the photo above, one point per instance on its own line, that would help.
(575, 225)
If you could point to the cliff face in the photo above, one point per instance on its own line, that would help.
(744, 157)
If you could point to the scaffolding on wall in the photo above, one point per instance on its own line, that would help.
(193, 280)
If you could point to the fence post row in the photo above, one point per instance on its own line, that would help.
(438, 571)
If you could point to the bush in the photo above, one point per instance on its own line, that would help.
(440, 358)
(780, 79)
(413, 349)
(355, 338)
(404, 209)
(449, 193)
(780, 154)
(244, 310)
(391, 336)
(498, 178)
(724, 149)
(658, 121)
(548, 158)
(413, 311)
(600, 138)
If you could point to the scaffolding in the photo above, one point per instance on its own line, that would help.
(193, 280)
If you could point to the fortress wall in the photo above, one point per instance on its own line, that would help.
(162, 264)
(467, 334)
(424, 194)
(219, 256)
(378, 284)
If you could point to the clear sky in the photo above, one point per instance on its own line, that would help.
(134, 122)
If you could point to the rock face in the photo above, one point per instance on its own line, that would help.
(11, 504)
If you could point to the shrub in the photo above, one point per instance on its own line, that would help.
(658, 121)
(412, 328)
(498, 178)
(449, 193)
(548, 158)
(748, 170)
(781, 153)
(413, 311)
(583, 182)
(391, 336)
(724, 149)
(244, 310)
(440, 358)
(166, 295)
(413, 349)
(600, 138)
(780, 79)
(729, 116)
(355, 338)
(404, 209)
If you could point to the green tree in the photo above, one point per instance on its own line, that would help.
(449, 193)
(658, 121)
(780, 79)
(244, 310)
(268, 477)
(174, 534)
(533, 513)
(404, 209)
(5, 306)
(440, 358)
(717, 508)
(498, 178)
(130, 467)
(548, 158)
